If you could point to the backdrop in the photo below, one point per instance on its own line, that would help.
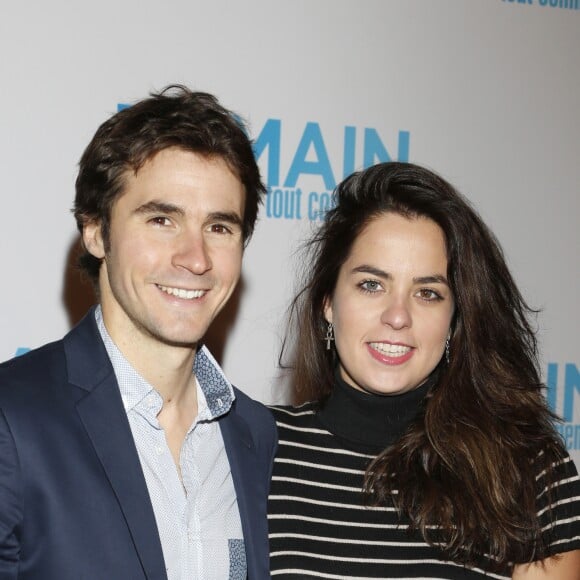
(486, 92)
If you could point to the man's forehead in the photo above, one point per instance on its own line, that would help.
(178, 181)
(207, 157)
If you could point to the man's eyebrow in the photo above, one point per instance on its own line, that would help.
(230, 217)
(160, 207)
(432, 279)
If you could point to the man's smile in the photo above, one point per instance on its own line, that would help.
(182, 292)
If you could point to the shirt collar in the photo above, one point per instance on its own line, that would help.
(215, 392)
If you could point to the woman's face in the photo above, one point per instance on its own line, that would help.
(392, 305)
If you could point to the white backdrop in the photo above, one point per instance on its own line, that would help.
(486, 92)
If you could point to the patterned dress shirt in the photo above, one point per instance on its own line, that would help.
(197, 516)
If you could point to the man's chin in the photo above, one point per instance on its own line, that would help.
(184, 339)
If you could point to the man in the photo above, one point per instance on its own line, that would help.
(125, 454)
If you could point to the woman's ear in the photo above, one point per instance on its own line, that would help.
(327, 309)
(93, 239)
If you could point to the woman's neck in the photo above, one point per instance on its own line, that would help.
(368, 421)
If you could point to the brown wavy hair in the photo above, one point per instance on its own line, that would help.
(174, 117)
(464, 472)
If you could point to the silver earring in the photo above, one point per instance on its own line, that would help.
(447, 357)
(329, 335)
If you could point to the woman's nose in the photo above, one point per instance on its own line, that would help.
(396, 313)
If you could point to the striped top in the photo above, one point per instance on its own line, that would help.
(320, 527)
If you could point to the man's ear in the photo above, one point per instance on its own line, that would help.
(327, 309)
(93, 239)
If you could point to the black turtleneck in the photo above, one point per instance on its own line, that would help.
(370, 421)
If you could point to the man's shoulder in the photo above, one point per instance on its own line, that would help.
(247, 406)
(45, 357)
(255, 414)
(40, 369)
(258, 420)
(34, 364)
(30, 383)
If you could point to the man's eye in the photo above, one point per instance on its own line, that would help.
(220, 229)
(160, 221)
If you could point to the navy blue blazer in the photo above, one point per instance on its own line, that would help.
(74, 503)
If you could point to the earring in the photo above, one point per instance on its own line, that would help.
(447, 357)
(329, 335)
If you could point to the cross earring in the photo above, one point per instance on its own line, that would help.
(329, 335)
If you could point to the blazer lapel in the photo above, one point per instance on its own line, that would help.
(101, 410)
(250, 497)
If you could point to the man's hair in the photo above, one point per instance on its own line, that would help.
(174, 117)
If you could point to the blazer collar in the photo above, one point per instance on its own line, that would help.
(100, 408)
(244, 465)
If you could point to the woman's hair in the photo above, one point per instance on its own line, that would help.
(465, 470)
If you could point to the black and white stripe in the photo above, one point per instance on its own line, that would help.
(321, 528)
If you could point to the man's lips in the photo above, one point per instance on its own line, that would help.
(182, 293)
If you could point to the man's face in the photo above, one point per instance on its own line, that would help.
(175, 250)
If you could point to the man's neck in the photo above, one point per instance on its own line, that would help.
(167, 368)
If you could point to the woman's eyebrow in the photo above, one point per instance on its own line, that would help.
(430, 279)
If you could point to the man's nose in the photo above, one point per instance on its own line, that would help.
(191, 252)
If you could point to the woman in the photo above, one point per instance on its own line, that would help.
(426, 448)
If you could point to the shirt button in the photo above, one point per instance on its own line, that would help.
(159, 450)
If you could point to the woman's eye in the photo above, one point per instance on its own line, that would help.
(370, 286)
(429, 295)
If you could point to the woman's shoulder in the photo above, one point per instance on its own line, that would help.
(560, 466)
(557, 480)
(563, 489)
(559, 503)
(293, 415)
